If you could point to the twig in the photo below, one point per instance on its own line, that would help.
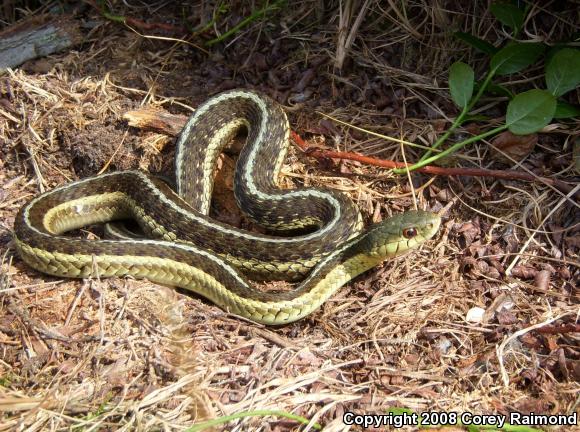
(159, 121)
(431, 169)
(134, 22)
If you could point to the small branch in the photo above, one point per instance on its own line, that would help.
(432, 169)
(159, 121)
(134, 22)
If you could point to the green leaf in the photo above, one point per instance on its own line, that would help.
(515, 57)
(508, 14)
(552, 51)
(461, 78)
(530, 111)
(563, 71)
(565, 110)
(476, 42)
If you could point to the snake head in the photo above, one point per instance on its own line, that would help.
(399, 233)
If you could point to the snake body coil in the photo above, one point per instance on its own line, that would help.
(190, 250)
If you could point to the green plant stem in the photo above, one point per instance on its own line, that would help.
(256, 413)
(456, 123)
(219, 10)
(451, 150)
(108, 15)
(482, 88)
(257, 14)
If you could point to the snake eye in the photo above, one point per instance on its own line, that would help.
(409, 233)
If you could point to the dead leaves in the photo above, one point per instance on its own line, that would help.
(507, 147)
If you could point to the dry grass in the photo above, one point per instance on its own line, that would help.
(130, 355)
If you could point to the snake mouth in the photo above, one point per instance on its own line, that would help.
(432, 225)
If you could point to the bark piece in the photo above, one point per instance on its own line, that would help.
(35, 38)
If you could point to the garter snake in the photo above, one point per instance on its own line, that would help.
(188, 249)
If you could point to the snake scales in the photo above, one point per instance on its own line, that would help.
(186, 248)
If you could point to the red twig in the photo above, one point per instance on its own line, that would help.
(134, 22)
(431, 169)
(137, 23)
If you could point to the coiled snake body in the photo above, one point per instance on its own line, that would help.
(188, 249)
